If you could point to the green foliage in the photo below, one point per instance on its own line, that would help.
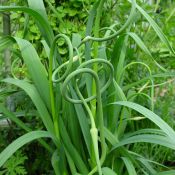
(15, 165)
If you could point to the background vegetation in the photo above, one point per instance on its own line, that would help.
(46, 55)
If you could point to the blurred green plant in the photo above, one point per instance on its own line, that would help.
(15, 165)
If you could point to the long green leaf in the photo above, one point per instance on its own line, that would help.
(145, 131)
(38, 102)
(18, 143)
(147, 165)
(20, 123)
(35, 68)
(156, 28)
(69, 115)
(151, 116)
(12, 117)
(110, 137)
(121, 59)
(147, 138)
(79, 163)
(83, 121)
(88, 44)
(141, 44)
(171, 172)
(39, 7)
(129, 166)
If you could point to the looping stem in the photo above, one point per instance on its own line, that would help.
(109, 69)
(70, 62)
(127, 23)
(51, 57)
(74, 75)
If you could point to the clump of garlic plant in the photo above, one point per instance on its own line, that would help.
(82, 102)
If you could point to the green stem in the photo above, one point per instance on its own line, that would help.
(96, 44)
(97, 26)
(151, 79)
(93, 131)
(55, 120)
(52, 79)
